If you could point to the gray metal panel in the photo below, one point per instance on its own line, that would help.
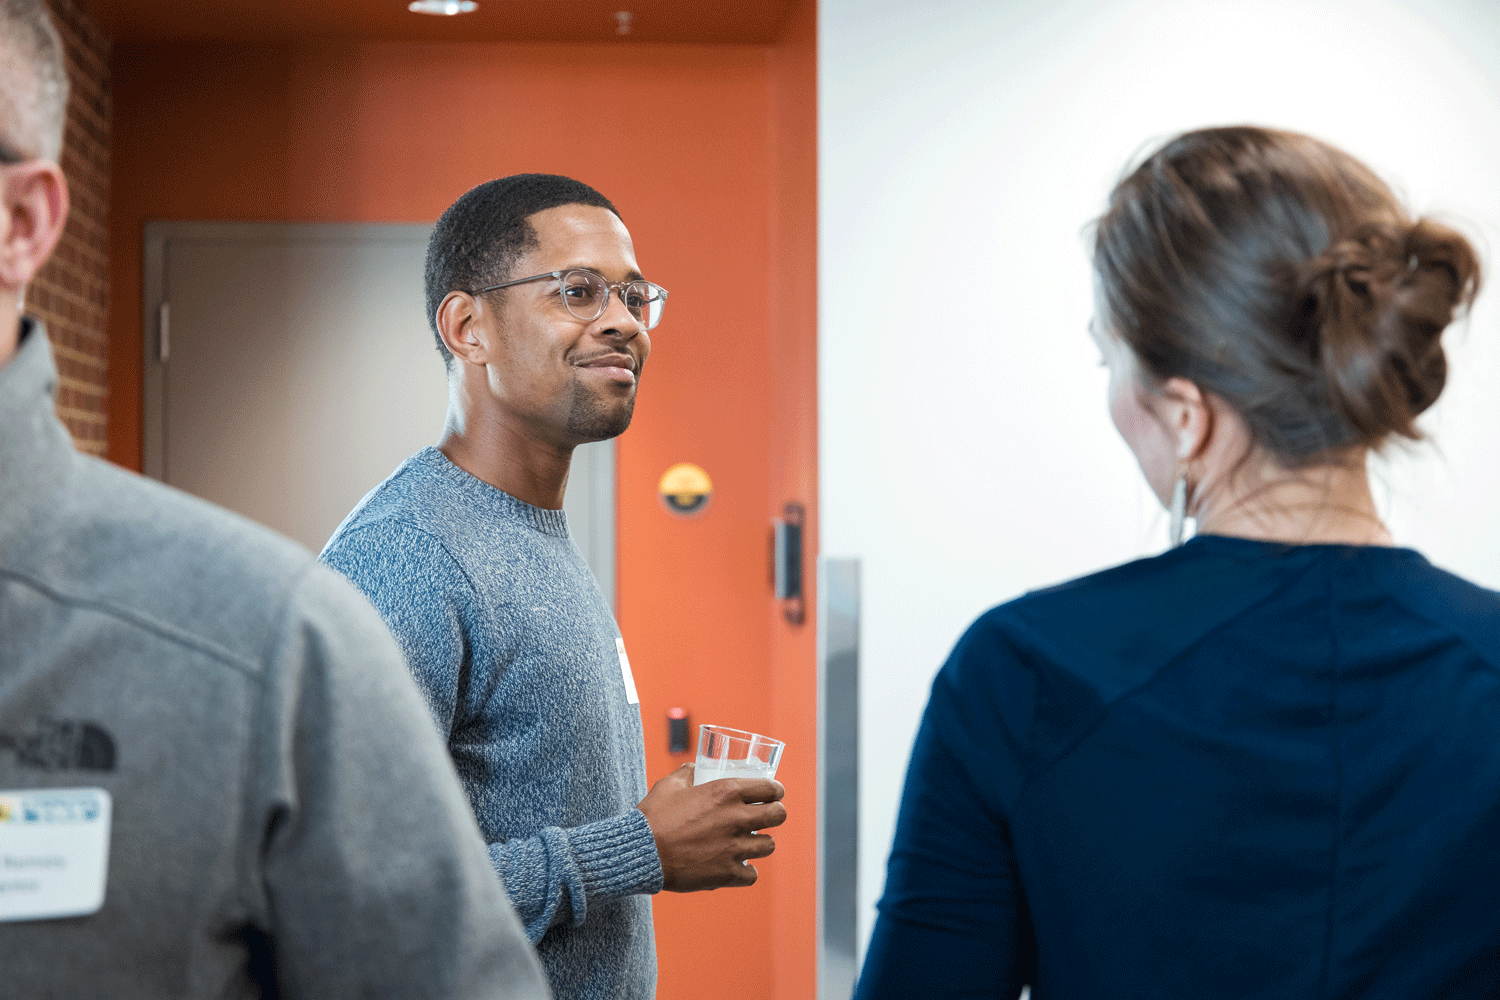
(590, 506)
(838, 775)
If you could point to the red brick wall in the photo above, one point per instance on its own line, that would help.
(71, 294)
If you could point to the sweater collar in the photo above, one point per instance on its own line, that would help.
(493, 499)
(35, 449)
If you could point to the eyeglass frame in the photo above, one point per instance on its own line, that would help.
(612, 288)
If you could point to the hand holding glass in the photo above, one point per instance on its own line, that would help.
(734, 753)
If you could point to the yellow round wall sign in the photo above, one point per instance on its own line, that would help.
(685, 488)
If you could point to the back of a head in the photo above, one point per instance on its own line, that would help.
(481, 236)
(1281, 275)
(33, 82)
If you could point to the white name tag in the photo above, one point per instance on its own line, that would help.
(631, 698)
(54, 852)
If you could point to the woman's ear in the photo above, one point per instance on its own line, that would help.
(1189, 417)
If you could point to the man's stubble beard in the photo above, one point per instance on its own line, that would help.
(595, 420)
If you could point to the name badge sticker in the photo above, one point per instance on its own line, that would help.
(54, 852)
(631, 698)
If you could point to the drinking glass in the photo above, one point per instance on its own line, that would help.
(734, 753)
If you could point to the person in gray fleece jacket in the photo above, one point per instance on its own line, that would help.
(216, 776)
(541, 315)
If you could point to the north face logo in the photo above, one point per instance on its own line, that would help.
(62, 745)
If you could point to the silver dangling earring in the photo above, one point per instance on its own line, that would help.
(1179, 510)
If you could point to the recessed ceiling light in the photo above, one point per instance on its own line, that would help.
(448, 7)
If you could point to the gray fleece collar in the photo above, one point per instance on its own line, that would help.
(35, 449)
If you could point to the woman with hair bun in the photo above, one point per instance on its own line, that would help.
(1267, 762)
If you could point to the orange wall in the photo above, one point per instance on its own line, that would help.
(708, 151)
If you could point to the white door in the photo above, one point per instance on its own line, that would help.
(292, 369)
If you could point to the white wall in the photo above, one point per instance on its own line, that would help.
(965, 450)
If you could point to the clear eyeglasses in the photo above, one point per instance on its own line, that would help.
(586, 295)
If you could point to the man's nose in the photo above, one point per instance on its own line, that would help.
(618, 320)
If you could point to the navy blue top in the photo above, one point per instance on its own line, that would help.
(1239, 769)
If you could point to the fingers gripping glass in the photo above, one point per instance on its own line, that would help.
(586, 295)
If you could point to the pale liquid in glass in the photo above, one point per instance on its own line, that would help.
(712, 770)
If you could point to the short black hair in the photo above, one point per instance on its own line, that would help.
(482, 234)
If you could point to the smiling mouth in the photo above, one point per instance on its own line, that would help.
(621, 367)
(624, 361)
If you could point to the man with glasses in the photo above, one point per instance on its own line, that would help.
(543, 319)
(216, 777)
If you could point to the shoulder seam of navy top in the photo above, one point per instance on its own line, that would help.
(1141, 688)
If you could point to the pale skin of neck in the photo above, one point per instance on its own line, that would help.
(10, 333)
(1241, 491)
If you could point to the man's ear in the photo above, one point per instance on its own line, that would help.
(458, 325)
(1189, 417)
(35, 197)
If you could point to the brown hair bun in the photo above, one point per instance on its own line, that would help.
(1379, 301)
(1281, 275)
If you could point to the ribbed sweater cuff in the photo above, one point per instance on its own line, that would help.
(616, 857)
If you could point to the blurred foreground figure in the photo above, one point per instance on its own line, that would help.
(216, 778)
(1264, 763)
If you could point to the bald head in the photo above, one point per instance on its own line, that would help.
(33, 83)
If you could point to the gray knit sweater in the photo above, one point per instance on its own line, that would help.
(510, 639)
